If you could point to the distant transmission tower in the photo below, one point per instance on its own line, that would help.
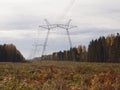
(48, 26)
(67, 27)
(36, 50)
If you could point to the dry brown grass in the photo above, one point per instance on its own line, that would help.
(52, 75)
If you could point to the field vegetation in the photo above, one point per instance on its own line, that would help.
(59, 75)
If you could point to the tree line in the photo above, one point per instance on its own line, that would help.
(103, 49)
(77, 54)
(9, 53)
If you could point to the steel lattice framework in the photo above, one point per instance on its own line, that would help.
(49, 26)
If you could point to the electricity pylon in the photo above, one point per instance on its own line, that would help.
(67, 26)
(48, 26)
(36, 48)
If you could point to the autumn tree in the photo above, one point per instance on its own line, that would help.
(9, 53)
(105, 49)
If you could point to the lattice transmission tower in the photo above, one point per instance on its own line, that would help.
(67, 26)
(36, 48)
(36, 51)
(49, 26)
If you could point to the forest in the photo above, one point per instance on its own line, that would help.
(9, 53)
(103, 49)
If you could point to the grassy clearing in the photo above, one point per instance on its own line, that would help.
(52, 75)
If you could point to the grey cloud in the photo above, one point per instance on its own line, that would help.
(94, 30)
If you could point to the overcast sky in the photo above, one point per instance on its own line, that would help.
(19, 21)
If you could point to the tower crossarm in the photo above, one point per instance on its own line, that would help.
(48, 26)
(70, 27)
(66, 26)
(44, 26)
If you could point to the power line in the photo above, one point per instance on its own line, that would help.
(67, 9)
